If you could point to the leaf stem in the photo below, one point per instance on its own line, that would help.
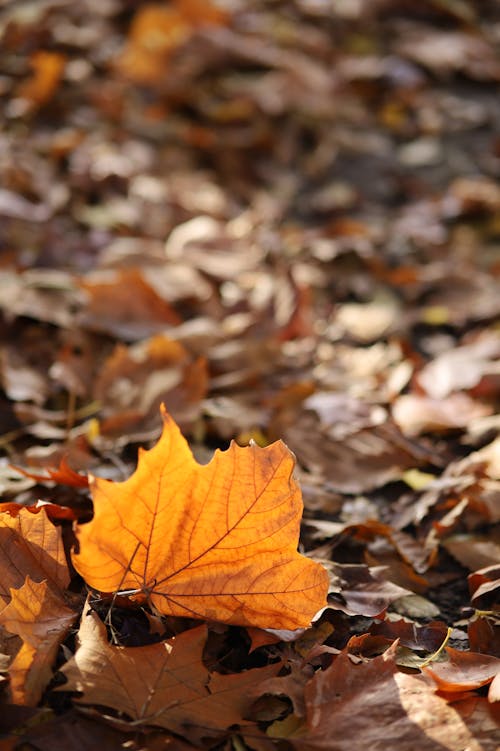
(436, 654)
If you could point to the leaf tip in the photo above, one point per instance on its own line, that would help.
(165, 415)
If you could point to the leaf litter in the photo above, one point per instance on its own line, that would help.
(281, 221)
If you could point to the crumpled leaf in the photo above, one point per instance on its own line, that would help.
(212, 542)
(41, 619)
(164, 684)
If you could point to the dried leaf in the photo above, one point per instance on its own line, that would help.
(356, 461)
(350, 703)
(464, 671)
(71, 730)
(63, 475)
(157, 31)
(30, 545)
(164, 684)
(364, 590)
(40, 618)
(416, 414)
(137, 379)
(53, 510)
(460, 368)
(125, 305)
(483, 586)
(48, 67)
(215, 542)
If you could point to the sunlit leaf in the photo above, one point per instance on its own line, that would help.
(41, 619)
(211, 542)
(30, 545)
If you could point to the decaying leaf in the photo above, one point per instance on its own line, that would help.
(215, 542)
(164, 684)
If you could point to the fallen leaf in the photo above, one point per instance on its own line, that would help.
(63, 475)
(494, 692)
(426, 638)
(157, 31)
(416, 414)
(135, 380)
(53, 510)
(463, 671)
(348, 704)
(460, 368)
(363, 590)
(71, 730)
(164, 684)
(483, 586)
(123, 304)
(366, 323)
(474, 551)
(45, 294)
(48, 67)
(484, 634)
(466, 724)
(212, 542)
(358, 461)
(448, 51)
(30, 545)
(41, 619)
(20, 380)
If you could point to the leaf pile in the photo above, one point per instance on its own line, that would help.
(280, 220)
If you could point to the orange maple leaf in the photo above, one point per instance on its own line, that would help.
(212, 542)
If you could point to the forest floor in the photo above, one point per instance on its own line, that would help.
(282, 221)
